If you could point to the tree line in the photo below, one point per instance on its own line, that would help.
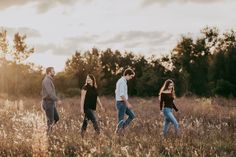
(204, 66)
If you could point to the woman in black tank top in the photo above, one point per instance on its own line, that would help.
(89, 100)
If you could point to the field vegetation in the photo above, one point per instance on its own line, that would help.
(207, 129)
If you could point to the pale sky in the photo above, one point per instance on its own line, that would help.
(57, 28)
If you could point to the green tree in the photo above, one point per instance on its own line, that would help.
(80, 65)
(20, 52)
(191, 59)
(110, 70)
(222, 66)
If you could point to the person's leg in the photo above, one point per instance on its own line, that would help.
(166, 121)
(166, 126)
(121, 109)
(85, 122)
(56, 116)
(131, 115)
(49, 110)
(91, 116)
(84, 125)
(174, 121)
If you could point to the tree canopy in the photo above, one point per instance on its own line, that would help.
(204, 66)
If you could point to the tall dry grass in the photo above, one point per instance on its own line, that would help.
(207, 129)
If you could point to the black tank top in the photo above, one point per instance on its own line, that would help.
(90, 101)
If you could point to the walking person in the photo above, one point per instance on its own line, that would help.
(122, 104)
(167, 96)
(49, 99)
(89, 100)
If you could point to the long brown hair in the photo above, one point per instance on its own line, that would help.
(93, 79)
(165, 86)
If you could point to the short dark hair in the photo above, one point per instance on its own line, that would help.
(128, 72)
(49, 69)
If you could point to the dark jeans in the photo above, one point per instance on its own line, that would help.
(122, 110)
(90, 115)
(51, 113)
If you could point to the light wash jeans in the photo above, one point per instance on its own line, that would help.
(122, 110)
(169, 118)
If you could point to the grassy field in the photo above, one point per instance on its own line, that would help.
(208, 128)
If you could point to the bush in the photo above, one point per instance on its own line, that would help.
(224, 88)
(71, 92)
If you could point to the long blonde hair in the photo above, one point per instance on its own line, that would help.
(165, 86)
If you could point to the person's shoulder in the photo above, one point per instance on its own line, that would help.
(122, 79)
(162, 93)
(119, 80)
(165, 93)
(95, 89)
(85, 87)
(46, 79)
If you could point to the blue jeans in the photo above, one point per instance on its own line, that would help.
(122, 110)
(169, 118)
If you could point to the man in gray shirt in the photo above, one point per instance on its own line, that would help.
(122, 104)
(49, 99)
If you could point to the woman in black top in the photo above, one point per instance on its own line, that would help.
(167, 96)
(89, 100)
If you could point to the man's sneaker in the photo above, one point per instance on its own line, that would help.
(120, 130)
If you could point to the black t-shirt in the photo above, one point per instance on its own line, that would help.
(168, 101)
(90, 101)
